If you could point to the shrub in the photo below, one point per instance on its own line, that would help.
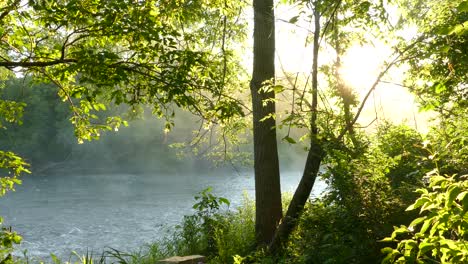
(370, 185)
(7, 239)
(439, 234)
(216, 232)
(374, 186)
(12, 166)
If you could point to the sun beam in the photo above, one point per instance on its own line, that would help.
(361, 65)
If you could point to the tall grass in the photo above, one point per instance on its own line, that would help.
(220, 235)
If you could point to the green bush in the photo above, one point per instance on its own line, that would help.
(7, 239)
(439, 234)
(330, 234)
(448, 144)
(369, 191)
(213, 230)
(11, 167)
(370, 185)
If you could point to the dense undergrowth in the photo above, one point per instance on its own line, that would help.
(361, 218)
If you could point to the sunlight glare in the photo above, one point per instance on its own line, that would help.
(361, 65)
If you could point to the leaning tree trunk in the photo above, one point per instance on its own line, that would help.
(314, 158)
(266, 164)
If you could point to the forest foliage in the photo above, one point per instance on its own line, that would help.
(109, 60)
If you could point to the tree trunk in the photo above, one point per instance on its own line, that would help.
(344, 91)
(266, 164)
(314, 158)
(302, 193)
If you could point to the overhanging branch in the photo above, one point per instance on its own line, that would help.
(349, 126)
(397, 59)
(29, 64)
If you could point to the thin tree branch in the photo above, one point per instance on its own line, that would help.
(67, 95)
(332, 15)
(28, 64)
(8, 9)
(394, 83)
(313, 119)
(349, 126)
(397, 59)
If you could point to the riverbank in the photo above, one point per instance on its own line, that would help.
(65, 213)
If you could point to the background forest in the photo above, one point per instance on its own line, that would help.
(73, 73)
(143, 146)
(46, 137)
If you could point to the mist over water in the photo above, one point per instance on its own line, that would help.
(61, 213)
(124, 190)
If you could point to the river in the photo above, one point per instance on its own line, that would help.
(64, 213)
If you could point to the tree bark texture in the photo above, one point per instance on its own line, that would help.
(314, 158)
(302, 193)
(266, 163)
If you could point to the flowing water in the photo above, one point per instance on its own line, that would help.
(64, 213)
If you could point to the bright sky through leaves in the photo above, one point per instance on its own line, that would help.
(361, 65)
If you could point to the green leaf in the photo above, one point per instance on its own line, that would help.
(439, 88)
(409, 244)
(425, 226)
(224, 200)
(387, 250)
(278, 88)
(428, 206)
(459, 29)
(362, 8)
(464, 203)
(400, 230)
(419, 202)
(445, 49)
(54, 258)
(417, 221)
(425, 247)
(16, 238)
(463, 6)
(289, 140)
(435, 228)
(437, 180)
(294, 19)
(450, 243)
(422, 191)
(452, 194)
(462, 195)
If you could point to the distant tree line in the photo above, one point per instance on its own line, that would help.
(45, 136)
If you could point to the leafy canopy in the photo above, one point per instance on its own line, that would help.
(162, 53)
(135, 52)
